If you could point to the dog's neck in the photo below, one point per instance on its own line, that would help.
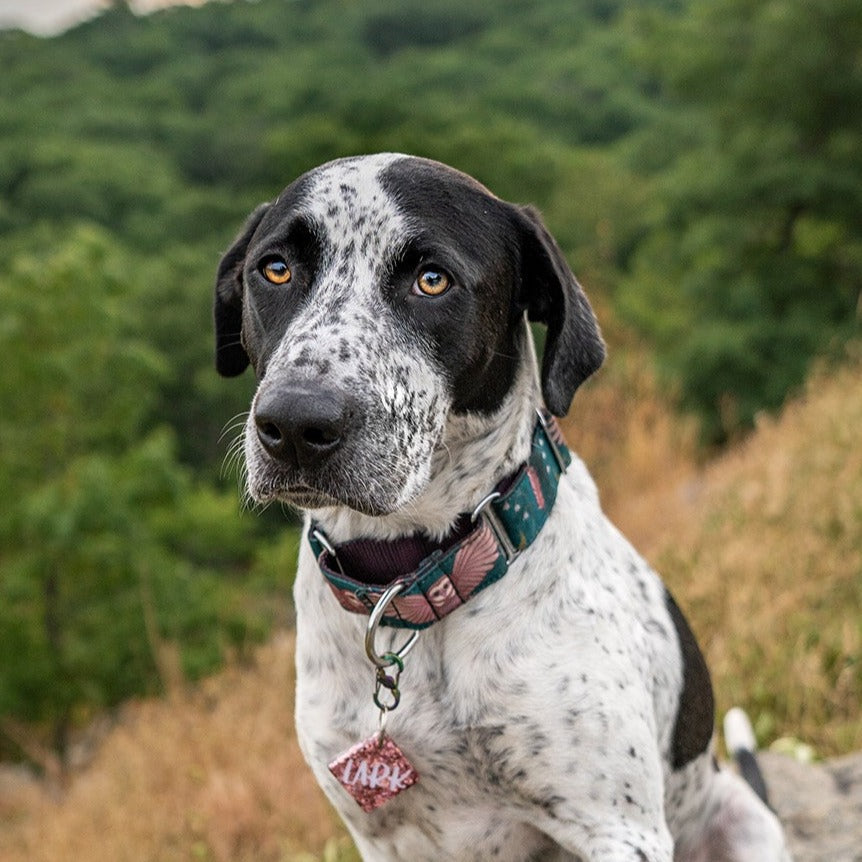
(475, 452)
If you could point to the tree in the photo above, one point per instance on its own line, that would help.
(112, 551)
(755, 264)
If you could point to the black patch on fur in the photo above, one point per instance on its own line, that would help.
(507, 263)
(457, 225)
(243, 298)
(231, 358)
(574, 348)
(750, 771)
(695, 717)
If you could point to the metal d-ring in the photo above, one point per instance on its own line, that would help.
(391, 657)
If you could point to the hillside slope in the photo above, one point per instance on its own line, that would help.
(210, 775)
(763, 549)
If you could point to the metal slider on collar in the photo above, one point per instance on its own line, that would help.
(327, 546)
(485, 511)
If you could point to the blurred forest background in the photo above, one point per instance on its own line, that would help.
(700, 163)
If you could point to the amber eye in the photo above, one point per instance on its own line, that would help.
(276, 271)
(432, 282)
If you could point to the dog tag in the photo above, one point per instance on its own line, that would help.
(374, 771)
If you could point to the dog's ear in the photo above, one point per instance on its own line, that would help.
(551, 294)
(230, 356)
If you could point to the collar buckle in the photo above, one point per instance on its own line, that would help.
(486, 512)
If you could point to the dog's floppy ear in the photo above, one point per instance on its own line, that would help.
(551, 294)
(231, 358)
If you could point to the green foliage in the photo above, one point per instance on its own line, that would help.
(758, 251)
(699, 162)
(65, 324)
(88, 560)
(406, 25)
(112, 548)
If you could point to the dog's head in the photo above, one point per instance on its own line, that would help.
(373, 298)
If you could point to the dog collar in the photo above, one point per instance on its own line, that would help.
(437, 577)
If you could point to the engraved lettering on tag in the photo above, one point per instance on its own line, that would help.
(374, 771)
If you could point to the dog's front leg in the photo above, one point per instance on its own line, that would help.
(618, 820)
(610, 841)
(585, 772)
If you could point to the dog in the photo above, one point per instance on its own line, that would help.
(552, 702)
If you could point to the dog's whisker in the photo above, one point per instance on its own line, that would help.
(233, 460)
(233, 424)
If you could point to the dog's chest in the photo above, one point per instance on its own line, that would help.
(476, 739)
(555, 685)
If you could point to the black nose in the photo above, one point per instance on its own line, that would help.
(301, 425)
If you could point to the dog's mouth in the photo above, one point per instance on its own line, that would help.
(305, 496)
(299, 494)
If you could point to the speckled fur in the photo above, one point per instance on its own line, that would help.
(540, 716)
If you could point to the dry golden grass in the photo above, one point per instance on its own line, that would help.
(639, 450)
(216, 775)
(763, 548)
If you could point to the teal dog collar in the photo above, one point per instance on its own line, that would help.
(438, 577)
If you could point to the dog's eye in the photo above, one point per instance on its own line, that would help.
(432, 282)
(275, 270)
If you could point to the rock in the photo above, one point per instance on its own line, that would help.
(820, 805)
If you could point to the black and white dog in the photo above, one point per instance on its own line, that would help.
(565, 711)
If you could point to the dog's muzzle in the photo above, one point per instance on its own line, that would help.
(313, 446)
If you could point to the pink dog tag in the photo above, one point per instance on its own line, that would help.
(374, 771)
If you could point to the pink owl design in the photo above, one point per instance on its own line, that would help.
(414, 608)
(443, 596)
(349, 600)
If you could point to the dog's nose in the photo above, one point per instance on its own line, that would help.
(301, 426)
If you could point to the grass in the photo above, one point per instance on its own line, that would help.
(762, 547)
(766, 551)
(210, 776)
